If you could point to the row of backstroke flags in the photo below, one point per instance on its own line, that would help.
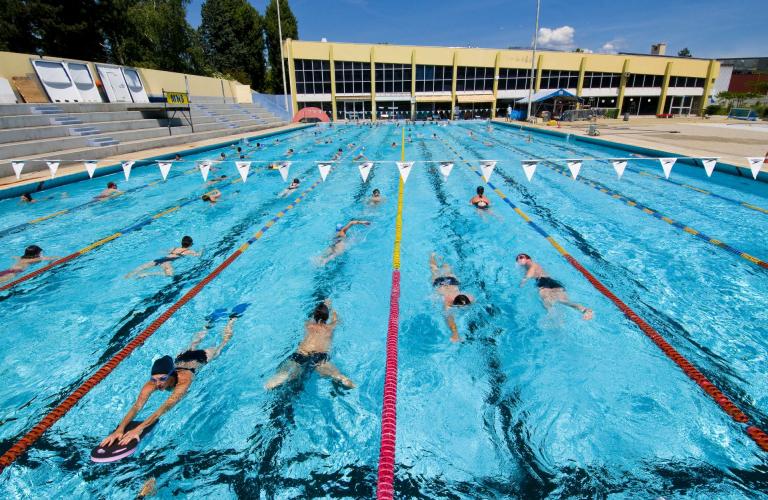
(404, 167)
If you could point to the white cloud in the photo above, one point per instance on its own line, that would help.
(558, 38)
(612, 46)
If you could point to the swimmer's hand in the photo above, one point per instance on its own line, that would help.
(132, 434)
(115, 436)
(346, 382)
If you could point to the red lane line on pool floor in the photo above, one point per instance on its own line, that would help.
(46, 422)
(755, 433)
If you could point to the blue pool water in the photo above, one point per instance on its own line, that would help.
(530, 404)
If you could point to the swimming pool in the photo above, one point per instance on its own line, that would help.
(530, 403)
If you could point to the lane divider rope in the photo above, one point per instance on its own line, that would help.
(385, 484)
(654, 213)
(46, 422)
(729, 407)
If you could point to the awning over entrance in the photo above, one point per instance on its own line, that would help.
(543, 95)
(462, 98)
(433, 98)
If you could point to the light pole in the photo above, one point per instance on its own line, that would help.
(282, 59)
(533, 60)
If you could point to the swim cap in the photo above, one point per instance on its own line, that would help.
(163, 366)
(339, 227)
(321, 313)
(32, 252)
(461, 300)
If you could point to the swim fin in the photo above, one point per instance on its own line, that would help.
(239, 309)
(216, 314)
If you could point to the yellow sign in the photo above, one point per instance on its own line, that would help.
(176, 97)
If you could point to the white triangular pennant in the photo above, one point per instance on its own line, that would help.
(205, 167)
(529, 167)
(755, 164)
(53, 166)
(487, 167)
(127, 168)
(445, 168)
(365, 169)
(90, 167)
(283, 168)
(574, 166)
(324, 168)
(17, 166)
(165, 167)
(619, 166)
(243, 167)
(709, 165)
(666, 165)
(405, 168)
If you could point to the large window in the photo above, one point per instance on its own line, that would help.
(312, 76)
(514, 78)
(555, 79)
(639, 80)
(431, 79)
(686, 81)
(393, 78)
(473, 79)
(353, 77)
(596, 80)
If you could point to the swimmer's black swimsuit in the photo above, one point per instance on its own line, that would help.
(314, 358)
(445, 281)
(163, 260)
(198, 356)
(547, 282)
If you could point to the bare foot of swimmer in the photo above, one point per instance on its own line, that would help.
(588, 314)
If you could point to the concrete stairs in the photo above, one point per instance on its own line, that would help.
(89, 131)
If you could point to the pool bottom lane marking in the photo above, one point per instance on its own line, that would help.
(385, 484)
(728, 406)
(46, 422)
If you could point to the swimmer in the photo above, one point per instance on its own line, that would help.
(27, 198)
(312, 352)
(258, 145)
(177, 157)
(165, 262)
(529, 139)
(360, 156)
(351, 145)
(375, 198)
(216, 180)
(487, 143)
(109, 192)
(289, 153)
(222, 157)
(33, 254)
(550, 290)
(479, 200)
(211, 197)
(338, 245)
(394, 144)
(239, 150)
(293, 186)
(176, 375)
(447, 285)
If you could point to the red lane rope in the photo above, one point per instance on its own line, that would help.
(385, 487)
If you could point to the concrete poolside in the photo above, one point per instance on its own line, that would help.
(730, 140)
(42, 175)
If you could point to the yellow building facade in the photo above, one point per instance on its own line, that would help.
(351, 80)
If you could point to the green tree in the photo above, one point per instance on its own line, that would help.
(16, 27)
(290, 28)
(153, 34)
(232, 35)
(684, 52)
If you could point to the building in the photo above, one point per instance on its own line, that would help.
(351, 80)
(746, 75)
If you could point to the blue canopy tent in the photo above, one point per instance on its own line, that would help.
(553, 100)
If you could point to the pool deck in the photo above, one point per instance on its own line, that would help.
(730, 140)
(34, 177)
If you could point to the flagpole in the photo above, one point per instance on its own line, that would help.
(282, 60)
(533, 61)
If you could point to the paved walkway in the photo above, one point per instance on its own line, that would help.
(32, 177)
(730, 140)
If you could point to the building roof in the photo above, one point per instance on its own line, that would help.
(543, 95)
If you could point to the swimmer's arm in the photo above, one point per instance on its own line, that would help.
(528, 275)
(178, 393)
(144, 394)
(452, 326)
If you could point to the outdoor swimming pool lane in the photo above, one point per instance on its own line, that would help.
(707, 214)
(132, 303)
(752, 431)
(264, 442)
(670, 281)
(144, 369)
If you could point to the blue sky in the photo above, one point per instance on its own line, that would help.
(709, 28)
